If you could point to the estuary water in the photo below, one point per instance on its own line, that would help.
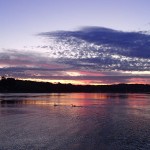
(74, 121)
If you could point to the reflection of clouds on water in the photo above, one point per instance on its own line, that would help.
(111, 121)
(74, 99)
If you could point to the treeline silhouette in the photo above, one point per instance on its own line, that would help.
(11, 85)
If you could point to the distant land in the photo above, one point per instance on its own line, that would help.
(11, 85)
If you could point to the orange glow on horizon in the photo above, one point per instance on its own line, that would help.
(87, 82)
(139, 81)
(75, 82)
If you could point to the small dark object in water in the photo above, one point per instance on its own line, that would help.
(73, 105)
(55, 105)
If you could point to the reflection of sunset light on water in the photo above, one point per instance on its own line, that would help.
(137, 100)
(65, 99)
(37, 102)
(81, 99)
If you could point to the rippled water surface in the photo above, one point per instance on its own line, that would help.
(74, 121)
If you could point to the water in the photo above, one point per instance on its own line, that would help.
(96, 122)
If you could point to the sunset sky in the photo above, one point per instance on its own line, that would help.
(76, 41)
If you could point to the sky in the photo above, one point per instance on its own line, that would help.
(75, 41)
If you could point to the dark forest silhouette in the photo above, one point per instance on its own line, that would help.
(19, 86)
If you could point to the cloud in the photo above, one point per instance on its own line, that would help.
(28, 64)
(94, 54)
(101, 49)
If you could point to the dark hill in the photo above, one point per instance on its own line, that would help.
(11, 85)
